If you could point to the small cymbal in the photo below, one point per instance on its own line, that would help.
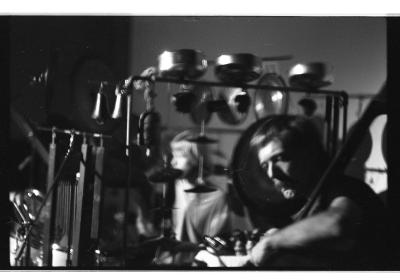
(165, 175)
(200, 188)
(202, 139)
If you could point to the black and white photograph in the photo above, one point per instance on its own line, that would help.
(145, 142)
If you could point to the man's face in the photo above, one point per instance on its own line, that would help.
(289, 171)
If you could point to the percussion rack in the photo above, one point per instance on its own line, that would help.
(337, 93)
(334, 99)
(338, 96)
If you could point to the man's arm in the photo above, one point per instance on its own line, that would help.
(332, 230)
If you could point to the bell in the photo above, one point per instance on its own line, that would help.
(117, 112)
(100, 112)
(121, 90)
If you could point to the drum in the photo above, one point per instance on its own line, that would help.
(238, 68)
(183, 63)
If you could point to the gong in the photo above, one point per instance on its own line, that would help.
(271, 101)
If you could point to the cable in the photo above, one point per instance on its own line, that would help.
(53, 186)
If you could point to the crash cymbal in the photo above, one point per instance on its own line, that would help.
(202, 139)
(165, 175)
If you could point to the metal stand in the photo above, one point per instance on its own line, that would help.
(128, 152)
(49, 223)
(80, 239)
(71, 220)
(97, 194)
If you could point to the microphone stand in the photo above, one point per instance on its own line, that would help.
(127, 89)
(128, 152)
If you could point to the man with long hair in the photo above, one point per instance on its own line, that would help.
(346, 225)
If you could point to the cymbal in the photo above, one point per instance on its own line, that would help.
(202, 139)
(165, 175)
(200, 188)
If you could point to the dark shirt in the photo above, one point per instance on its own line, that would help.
(370, 249)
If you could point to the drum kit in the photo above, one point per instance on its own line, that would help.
(236, 74)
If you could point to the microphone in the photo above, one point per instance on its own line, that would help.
(149, 130)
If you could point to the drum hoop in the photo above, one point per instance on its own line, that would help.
(237, 162)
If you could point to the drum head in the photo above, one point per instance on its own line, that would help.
(260, 197)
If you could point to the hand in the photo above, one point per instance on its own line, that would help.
(263, 250)
(148, 72)
(271, 231)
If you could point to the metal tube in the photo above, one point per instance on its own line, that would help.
(126, 196)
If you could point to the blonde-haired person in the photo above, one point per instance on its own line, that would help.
(199, 214)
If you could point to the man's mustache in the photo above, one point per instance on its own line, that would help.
(283, 177)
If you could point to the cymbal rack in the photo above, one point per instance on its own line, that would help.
(342, 94)
(334, 99)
